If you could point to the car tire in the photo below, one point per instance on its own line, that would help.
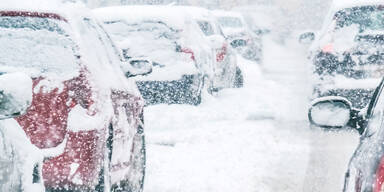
(239, 79)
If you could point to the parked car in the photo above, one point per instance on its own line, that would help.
(237, 32)
(366, 167)
(85, 117)
(347, 53)
(226, 72)
(158, 33)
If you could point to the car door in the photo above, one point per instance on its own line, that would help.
(126, 126)
(365, 161)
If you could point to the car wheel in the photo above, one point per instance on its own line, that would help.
(239, 79)
(135, 178)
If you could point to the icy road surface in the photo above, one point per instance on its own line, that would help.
(251, 139)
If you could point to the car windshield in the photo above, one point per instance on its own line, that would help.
(37, 45)
(365, 17)
(230, 22)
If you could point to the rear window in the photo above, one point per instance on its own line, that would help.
(38, 45)
(365, 17)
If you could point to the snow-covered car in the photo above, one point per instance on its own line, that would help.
(347, 53)
(86, 117)
(366, 167)
(168, 37)
(235, 29)
(227, 73)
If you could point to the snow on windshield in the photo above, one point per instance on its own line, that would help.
(37, 45)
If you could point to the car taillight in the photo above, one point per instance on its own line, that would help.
(379, 180)
(328, 48)
(188, 51)
(221, 53)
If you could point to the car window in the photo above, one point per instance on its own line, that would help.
(38, 45)
(365, 17)
(375, 113)
(206, 27)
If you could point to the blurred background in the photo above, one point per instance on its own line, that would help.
(283, 17)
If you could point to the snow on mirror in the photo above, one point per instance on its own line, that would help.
(137, 66)
(15, 94)
(332, 113)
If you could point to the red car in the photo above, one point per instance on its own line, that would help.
(84, 111)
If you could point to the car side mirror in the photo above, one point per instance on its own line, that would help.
(331, 112)
(307, 38)
(137, 66)
(15, 94)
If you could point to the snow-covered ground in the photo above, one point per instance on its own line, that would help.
(251, 139)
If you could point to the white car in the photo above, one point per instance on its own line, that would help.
(346, 54)
(227, 73)
(235, 29)
(169, 37)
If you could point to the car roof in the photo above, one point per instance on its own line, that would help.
(171, 15)
(221, 13)
(40, 8)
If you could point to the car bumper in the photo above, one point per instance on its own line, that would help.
(182, 91)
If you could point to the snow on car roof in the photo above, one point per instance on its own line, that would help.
(173, 16)
(43, 8)
(221, 13)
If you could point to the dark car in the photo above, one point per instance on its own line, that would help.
(347, 54)
(366, 167)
